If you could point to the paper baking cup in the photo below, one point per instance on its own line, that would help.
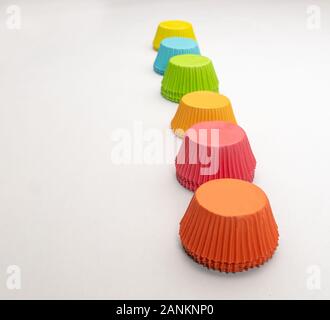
(229, 226)
(171, 47)
(201, 106)
(214, 150)
(173, 28)
(187, 73)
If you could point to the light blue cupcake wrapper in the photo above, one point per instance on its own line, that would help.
(171, 47)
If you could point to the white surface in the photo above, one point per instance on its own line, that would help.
(79, 226)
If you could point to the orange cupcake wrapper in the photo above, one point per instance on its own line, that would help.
(201, 106)
(229, 239)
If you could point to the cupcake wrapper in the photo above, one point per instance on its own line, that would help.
(168, 29)
(179, 80)
(169, 48)
(235, 161)
(187, 116)
(231, 240)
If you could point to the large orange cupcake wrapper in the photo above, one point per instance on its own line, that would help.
(235, 161)
(187, 116)
(241, 239)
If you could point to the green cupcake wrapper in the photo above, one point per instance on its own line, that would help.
(188, 73)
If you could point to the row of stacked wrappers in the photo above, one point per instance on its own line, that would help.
(229, 225)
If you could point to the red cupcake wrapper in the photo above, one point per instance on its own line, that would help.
(196, 164)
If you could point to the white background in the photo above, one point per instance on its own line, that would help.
(79, 226)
